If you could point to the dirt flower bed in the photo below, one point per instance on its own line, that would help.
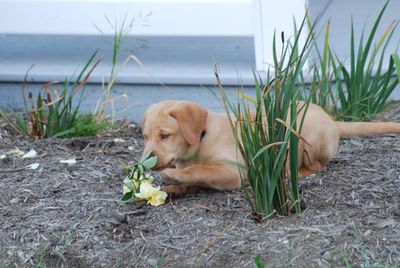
(69, 215)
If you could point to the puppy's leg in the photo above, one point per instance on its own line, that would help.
(311, 164)
(180, 189)
(209, 176)
(306, 171)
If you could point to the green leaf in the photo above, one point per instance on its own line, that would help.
(127, 197)
(141, 168)
(145, 155)
(257, 262)
(64, 133)
(396, 60)
(126, 167)
(128, 183)
(150, 162)
(269, 146)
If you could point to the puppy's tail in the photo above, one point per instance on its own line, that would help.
(348, 129)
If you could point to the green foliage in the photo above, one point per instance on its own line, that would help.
(53, 113)
(85, 125)
(367, 84)
(7, 265)
(360, 91)
(42, 254)
(366, 90)
(257, 262)
(396, 60)
(107, 100)
(320, 91)
(268, 137)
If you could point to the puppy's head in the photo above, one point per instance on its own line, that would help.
(172, 130)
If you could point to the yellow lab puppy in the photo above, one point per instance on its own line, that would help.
(193, 146)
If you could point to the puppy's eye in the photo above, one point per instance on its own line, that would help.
(164, 136)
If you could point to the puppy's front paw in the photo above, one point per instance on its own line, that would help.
(170, 176)
(174, 190)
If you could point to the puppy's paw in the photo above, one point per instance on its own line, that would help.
(169, 175)
(174, 190)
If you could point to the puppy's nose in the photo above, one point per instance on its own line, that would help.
(152, 154)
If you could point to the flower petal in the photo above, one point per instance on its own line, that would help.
(68, 161)
(31, 154)
(146, 189)
(158, 198)
(33, 166)
(16, 152)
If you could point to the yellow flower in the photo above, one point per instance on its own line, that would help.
(157, 198)
(150, 193)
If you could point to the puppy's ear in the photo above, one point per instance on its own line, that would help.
(192, 120)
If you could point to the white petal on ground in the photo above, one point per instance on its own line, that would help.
(33, 166)
(118, 140)
(131, 148)
(31, 154)
(68, 161)
(16, 152)
(3, 156)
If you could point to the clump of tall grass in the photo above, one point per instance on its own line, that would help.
(267, 132)
(361, 90)
(367, 84)
(55, 113)
(396, 60)
(107, 101)
(320, 89)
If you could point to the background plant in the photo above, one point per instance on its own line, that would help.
(56, 112)
(396, 60)
(320, 89)
(268, 137)
(107, 101)
(360, 91)
(367, 85)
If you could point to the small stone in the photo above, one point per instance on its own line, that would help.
(152, 262)
(97, 174)
(386, 223)
(118, 218)
(14, 201)
(395, 210)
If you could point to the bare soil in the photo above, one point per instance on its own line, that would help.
(70, 216)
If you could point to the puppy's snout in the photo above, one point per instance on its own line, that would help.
(152, 153)
(148, 153)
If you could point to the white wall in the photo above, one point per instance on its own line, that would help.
(60, 35)
(154, 17)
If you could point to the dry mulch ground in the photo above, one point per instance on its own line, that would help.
(60, 215)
